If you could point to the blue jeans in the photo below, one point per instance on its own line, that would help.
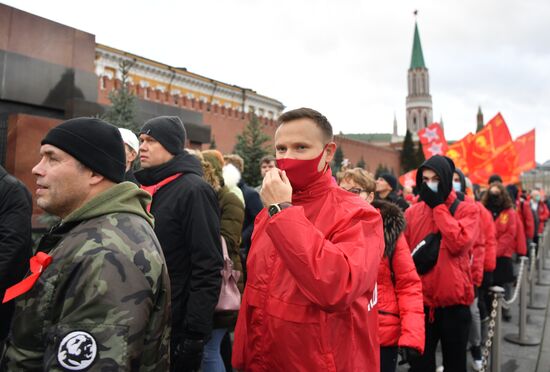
(211, 358)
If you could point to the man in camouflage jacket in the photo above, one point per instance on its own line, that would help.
(103, 303)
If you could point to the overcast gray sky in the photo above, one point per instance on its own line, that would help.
(347, 58)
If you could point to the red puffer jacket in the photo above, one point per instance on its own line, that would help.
(505, 232)
(400, 305)
(488, 227)
(450, 281)
(478, 250)
(311, 288)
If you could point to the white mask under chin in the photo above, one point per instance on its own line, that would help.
(432, 186)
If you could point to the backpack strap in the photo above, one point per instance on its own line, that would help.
(454, 206)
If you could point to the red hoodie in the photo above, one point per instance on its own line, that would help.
(311, 290)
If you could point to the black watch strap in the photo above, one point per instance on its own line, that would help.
(276, 208)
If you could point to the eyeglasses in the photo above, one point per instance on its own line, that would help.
(355, 190)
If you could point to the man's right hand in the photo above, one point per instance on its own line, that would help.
(276, 188)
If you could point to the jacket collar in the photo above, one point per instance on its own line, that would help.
(320, 187)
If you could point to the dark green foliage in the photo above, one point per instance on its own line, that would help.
(122, 112)
(361, 163)
(251, 147)
(337, 160)
(408, 154)
(419, 155)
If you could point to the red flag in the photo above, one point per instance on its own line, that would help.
(492, 151)
(525, 148)
(503, 164)
(408, 179)
(433, 140)
(458, 151)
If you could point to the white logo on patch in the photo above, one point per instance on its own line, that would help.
(77, 351)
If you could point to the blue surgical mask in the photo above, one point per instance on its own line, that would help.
(432, 186)
(457, 186)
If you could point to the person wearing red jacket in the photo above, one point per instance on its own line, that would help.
(311, 287)
(498, 202)
(447, 287)
(524, 212)
(540, 213)
(400, 307)
(476, 262)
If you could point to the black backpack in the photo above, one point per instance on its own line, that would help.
(426, 252)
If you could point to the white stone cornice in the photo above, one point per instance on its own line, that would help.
(181, 80)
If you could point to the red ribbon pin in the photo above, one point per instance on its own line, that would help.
(38, 263)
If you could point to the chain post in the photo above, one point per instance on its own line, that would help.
(522, 338)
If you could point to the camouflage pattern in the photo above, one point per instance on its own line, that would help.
(108, 280)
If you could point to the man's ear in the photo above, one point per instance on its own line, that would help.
(330, 150)
(96, 178)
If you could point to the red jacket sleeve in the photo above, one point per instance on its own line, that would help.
(460, 230)
(408, 289)
(506, 233)
(478, 255)
(528, 220)
(488, 226)
(331, 273)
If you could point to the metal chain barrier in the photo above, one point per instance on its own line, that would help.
(486, 349)
(506, 303)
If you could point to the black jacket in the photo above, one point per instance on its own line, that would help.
(15, 238)
(253, 205)
(187, 224)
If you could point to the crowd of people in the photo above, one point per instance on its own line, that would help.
(182, 266)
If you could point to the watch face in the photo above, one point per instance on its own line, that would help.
(273, 209)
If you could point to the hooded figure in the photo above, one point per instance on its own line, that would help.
(444, 169)
(447, 287)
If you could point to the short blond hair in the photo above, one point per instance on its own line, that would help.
(362, 178)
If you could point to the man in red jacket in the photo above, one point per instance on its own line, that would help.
(447, 287)
(313, 263)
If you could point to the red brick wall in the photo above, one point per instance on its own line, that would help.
(25, 132)
(372, 154)
(227, 124)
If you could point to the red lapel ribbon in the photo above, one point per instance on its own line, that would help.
(152, 190)
(38, 263)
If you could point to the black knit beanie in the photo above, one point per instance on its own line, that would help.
(390, 179)
(168, 130)
(93, 142)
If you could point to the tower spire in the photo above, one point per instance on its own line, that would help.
(417, 58)
(394, 125)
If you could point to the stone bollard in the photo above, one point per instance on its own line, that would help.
(522, 338)
(495, 347)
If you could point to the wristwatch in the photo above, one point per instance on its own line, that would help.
(276, 208)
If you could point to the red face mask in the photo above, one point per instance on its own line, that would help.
(302, 173)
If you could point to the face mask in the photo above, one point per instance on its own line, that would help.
(457, 186)
(302, 173)
(432, 186)
(537, 198)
